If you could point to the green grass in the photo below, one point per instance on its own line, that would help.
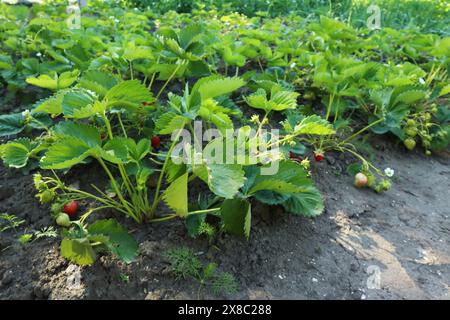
(425, 15)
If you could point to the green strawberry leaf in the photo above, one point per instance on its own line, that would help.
(87, 134)
(65, 153)
(236, 216)
(170, 122)
(15, 153)
(119, 242)
(176, 195)
(98, 82)
(128, 94)
(78, 251)
(11, 124)
(314, 125)
(225, 180)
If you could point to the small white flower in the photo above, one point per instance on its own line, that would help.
(293, 64)
(421, 81)
(116, 20)
(38, 54)
(111, 17)
(389, 172)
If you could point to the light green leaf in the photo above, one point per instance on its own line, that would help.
(44, 81)
(280, 100)
(225, 180)
(98, 82)
(137, 151)
(283, 100)
(78, 103)
(66, 153)
(170, 122)
(445, 90)
(66, 79)
(410, 97)
(236, 216)
(15, 153)
(137, 52)
(54, 82)
(6, 62)
(128, 94)
(258, 99)
(52, 105)
(217, 87)
(189, 34)
(116, 150)
(78, 251)
(87, 134)
(176, 196)
(314, 125)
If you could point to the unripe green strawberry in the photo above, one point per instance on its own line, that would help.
(370, 179)
(411, 123)
(309, 95)
(409, 143)
(411, 131)
(63, 220)
(379, 188)
(46, 196)
(385, 184)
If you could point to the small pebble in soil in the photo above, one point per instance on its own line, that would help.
(7, 278)
(155, 295)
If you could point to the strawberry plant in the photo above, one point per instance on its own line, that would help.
(125, 89)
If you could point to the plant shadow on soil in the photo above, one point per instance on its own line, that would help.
(394, 245)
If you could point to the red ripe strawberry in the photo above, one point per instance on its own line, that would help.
(156, 142)
(318, 156)
(145, 103)
(71, 208)
(294, 157)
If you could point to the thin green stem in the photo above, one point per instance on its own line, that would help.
(162, 219)
(91, 211)
(117, 190)
(153, 77)
(108, 125)
(362, 159)
(161, 175)
(131, 70)
(122, 170)
(168, 80)
(119, 117)
(114, 204)
(361, 131)
(260, 66)
(330, 103)
(204, 211)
